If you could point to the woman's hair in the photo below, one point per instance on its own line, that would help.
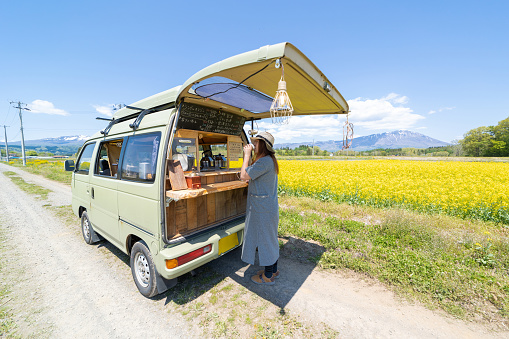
(263, 152)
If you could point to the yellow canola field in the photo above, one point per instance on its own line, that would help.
(468, 189)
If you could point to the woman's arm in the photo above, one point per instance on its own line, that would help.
(247, 158)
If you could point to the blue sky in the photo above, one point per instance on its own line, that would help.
(439, 68)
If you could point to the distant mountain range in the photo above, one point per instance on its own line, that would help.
(59, 146)
(75, 140)
(395, 139)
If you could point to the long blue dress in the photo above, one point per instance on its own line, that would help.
(262, 214)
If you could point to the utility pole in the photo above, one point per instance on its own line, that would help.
(22, 136)
(313, 147)
(6, 144)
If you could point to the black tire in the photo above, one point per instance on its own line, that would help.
(86, 228)
(143, 269)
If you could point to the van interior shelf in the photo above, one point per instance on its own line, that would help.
(218, 172)
(206, 189)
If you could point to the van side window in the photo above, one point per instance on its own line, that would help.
(140, 158)
(83, 164)
(108, 157)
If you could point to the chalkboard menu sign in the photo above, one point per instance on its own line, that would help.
(207, 119)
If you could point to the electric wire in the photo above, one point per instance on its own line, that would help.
(8, 112)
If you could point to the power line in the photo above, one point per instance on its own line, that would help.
(8, 112)
(15, 136)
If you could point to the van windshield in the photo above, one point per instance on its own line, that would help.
(232, 93)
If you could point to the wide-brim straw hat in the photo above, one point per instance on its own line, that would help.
(267, 138)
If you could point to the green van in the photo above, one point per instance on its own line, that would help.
(161, 181)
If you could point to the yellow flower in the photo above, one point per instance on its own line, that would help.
(467, 189)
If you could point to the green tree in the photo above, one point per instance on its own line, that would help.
(478, 141)
(441, 154)
(456, 148)
(501, 132)
(31, 153)
(409, 151)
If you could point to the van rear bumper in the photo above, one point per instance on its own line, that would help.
(196, 242)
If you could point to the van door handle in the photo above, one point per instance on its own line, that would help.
(92, 193)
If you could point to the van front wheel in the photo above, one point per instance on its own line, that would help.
(143, 269)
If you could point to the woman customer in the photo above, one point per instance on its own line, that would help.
(262, 213)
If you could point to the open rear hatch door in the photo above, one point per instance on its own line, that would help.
(245, 84)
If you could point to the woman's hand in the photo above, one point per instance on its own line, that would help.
(248, 149)
(247, 158)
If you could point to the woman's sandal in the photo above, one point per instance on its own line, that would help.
(275, 275)
(261, 279)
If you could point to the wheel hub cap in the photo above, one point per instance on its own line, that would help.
(142, 269)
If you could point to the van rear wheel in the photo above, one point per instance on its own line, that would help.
(86, 228)
(143, 269)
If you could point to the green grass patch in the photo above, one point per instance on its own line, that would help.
(40, 192)
(7, 325)
(459, 266)
(484, 212)
(51, 169)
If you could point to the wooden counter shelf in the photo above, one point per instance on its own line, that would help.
(206, 189)
(218, 172)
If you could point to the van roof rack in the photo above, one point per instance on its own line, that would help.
(138, 115)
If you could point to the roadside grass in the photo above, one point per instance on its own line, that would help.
(40, 192)
(7, 324)
(51, 169)
(460, 266)
(224, 309)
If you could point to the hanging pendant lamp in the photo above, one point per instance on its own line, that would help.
(281, 109)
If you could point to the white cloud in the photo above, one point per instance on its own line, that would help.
(386, 113)
(441, 110)
(104, 110)
(45, 107)
(396, 98)
(304, 128)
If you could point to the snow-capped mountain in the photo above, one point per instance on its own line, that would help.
(395, 139)
(74, 140)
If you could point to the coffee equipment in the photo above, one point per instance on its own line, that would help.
(220, 161)
(206, 162)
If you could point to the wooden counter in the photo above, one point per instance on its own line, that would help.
(206, 189)
(194, 209)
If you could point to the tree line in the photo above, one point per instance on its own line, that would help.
(490, 141)
(444, 151)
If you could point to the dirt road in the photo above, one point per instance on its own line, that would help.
(62, 287)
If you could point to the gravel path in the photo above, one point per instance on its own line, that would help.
(69, 289)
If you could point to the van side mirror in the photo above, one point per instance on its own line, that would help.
(69, 165)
